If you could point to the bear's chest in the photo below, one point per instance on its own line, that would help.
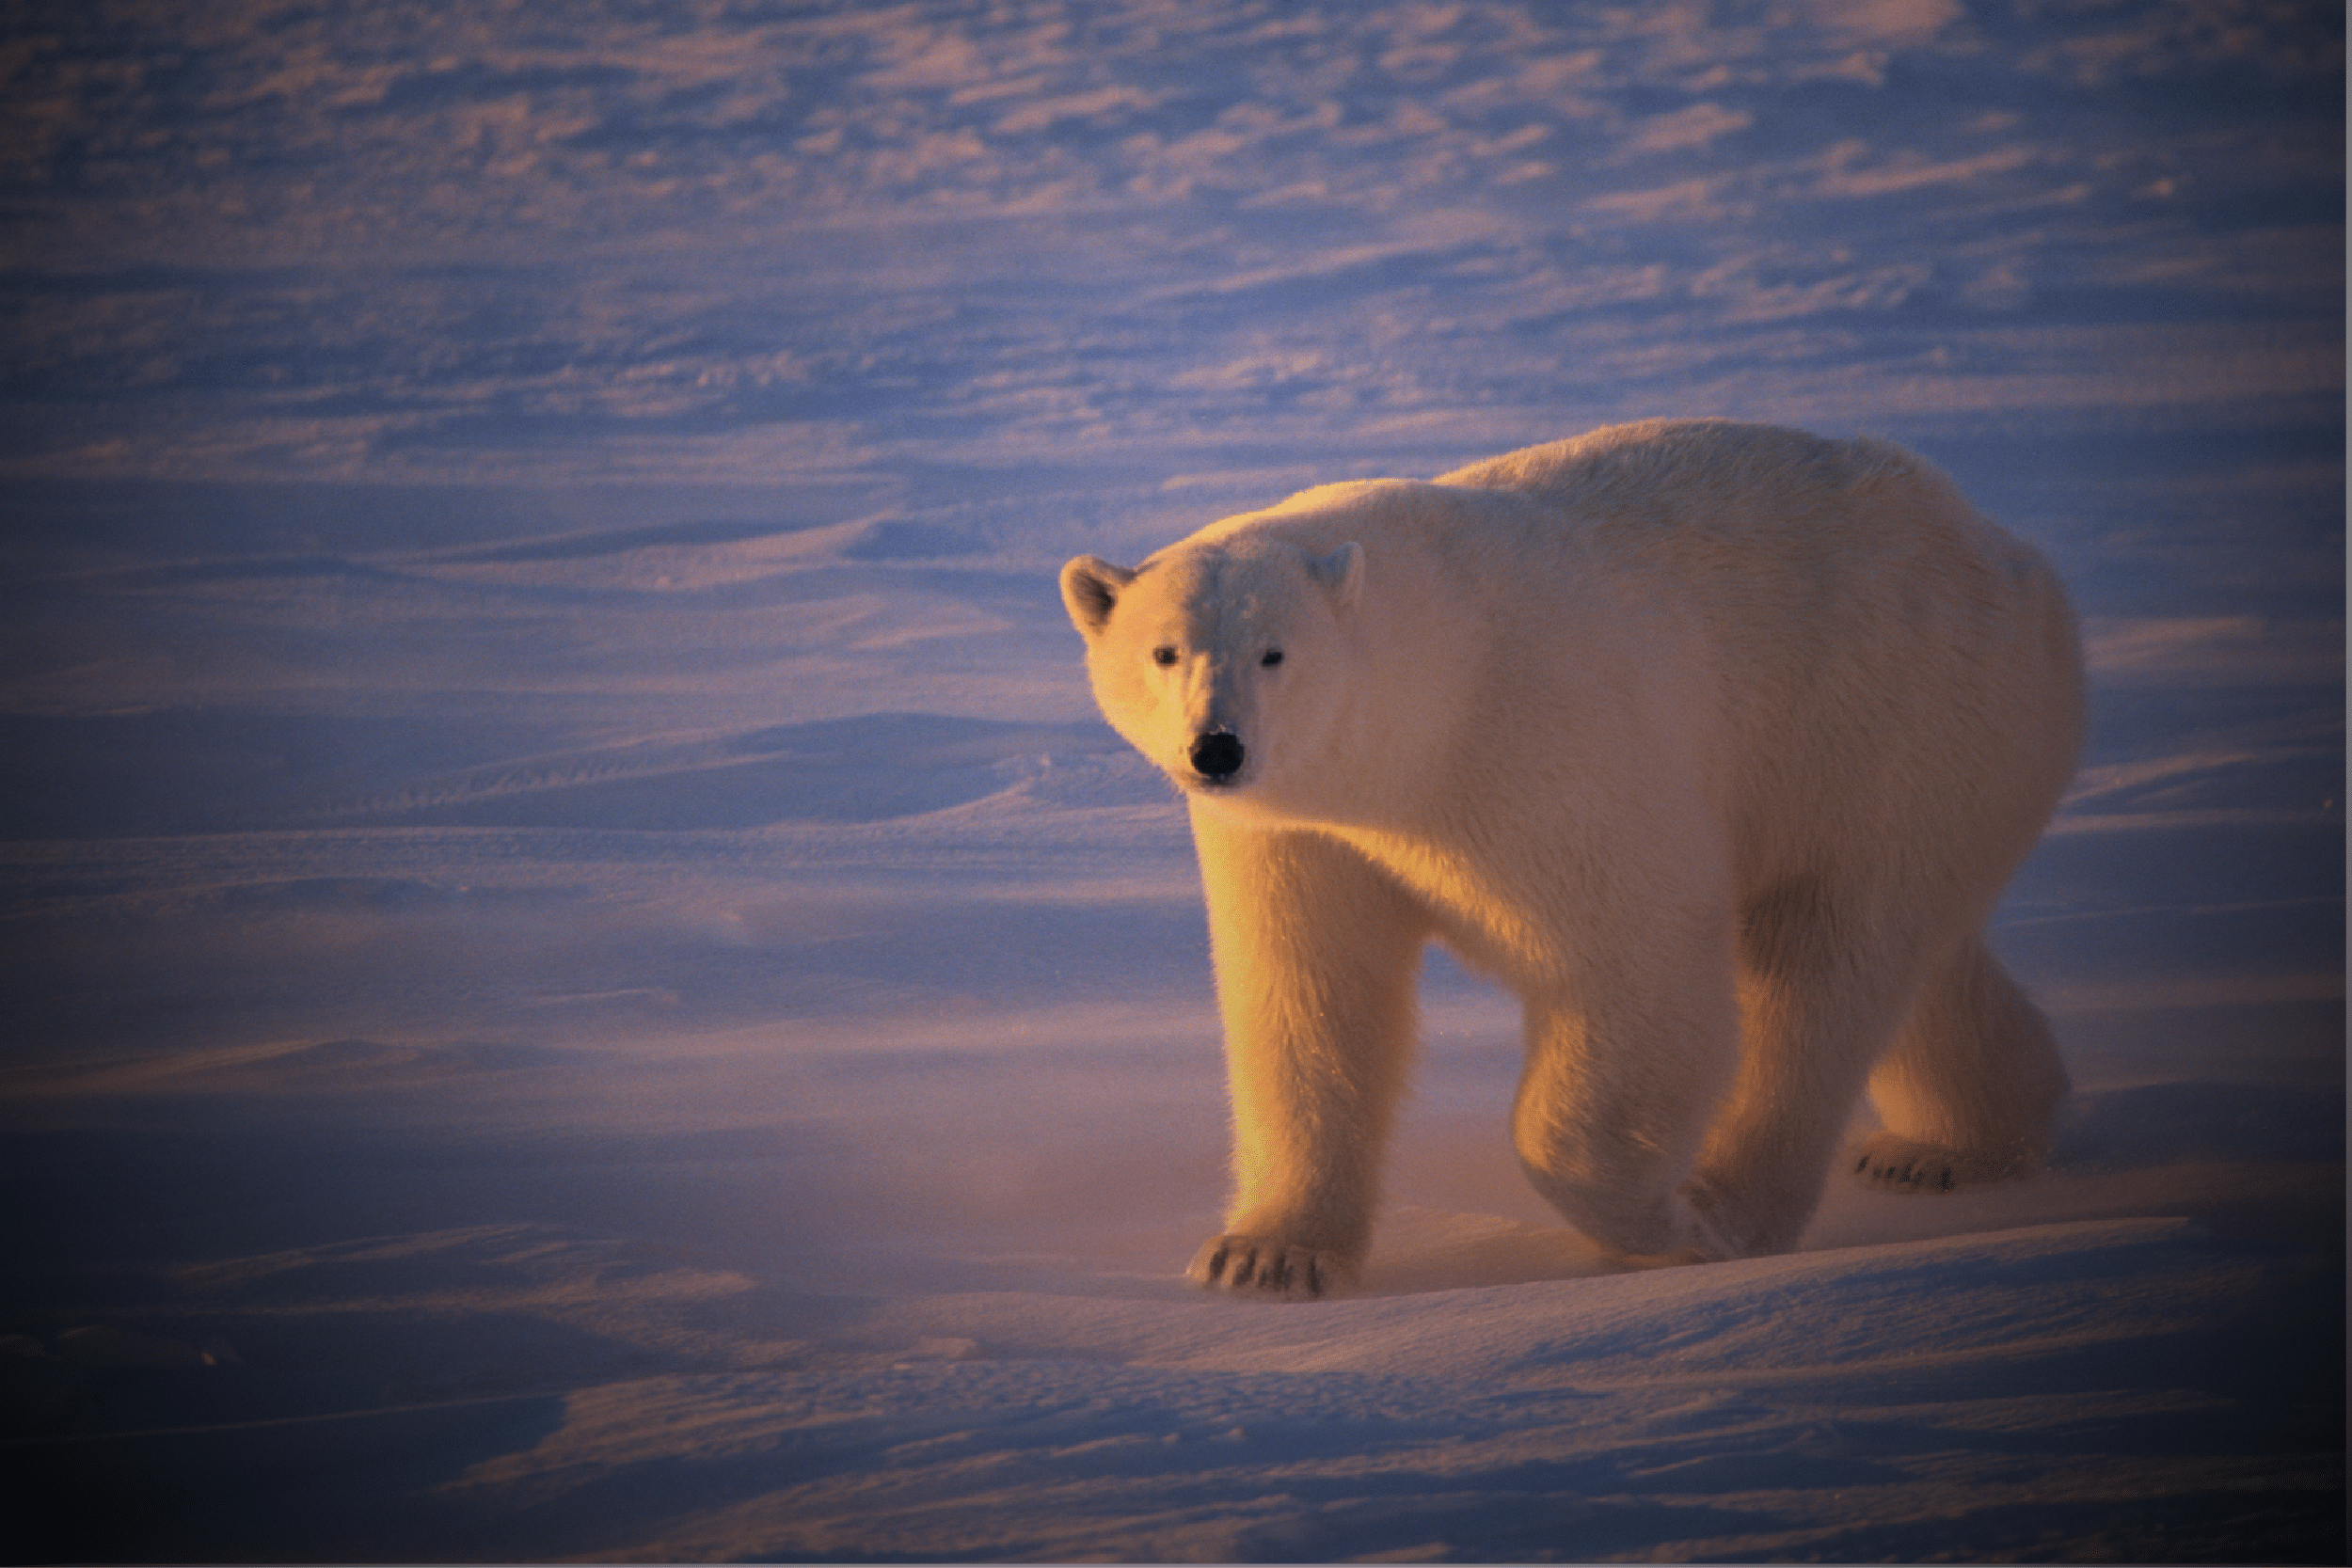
(1492, 920)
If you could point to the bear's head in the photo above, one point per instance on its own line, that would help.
(1225, 663)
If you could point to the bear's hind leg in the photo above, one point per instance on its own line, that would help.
(1824, 984)
(1968, 1092)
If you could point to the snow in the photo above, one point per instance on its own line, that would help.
(582, 981)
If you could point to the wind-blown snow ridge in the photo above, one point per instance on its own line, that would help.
(1877, 1403)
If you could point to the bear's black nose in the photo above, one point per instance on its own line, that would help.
(1218, 754)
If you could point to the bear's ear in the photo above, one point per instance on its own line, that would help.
(1341, 572)
(1088, 589)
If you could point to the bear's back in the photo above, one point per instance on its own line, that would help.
(1715, 475)
(1799, 531)
(1831, 584)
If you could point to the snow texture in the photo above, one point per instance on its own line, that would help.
(582, 982)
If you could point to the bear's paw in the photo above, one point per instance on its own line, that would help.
(1266, 1266)
(1902, 1164)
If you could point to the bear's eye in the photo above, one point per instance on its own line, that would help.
(1273, 657)
(1163, 656)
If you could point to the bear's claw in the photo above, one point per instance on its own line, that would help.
(1908, 1165)
(1259, 1265)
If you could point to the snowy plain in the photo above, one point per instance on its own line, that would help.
(581, 981)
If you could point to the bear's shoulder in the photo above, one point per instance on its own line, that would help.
(1388, 513)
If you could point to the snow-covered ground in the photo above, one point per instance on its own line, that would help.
(581, 981)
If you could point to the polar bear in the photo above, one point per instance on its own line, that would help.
(1715, 742)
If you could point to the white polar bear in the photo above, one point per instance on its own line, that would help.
(1715, 742)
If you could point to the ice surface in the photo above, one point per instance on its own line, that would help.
(582, 980)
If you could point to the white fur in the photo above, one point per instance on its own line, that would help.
(1715, 742)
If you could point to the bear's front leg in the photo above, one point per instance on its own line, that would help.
(1316, 954)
